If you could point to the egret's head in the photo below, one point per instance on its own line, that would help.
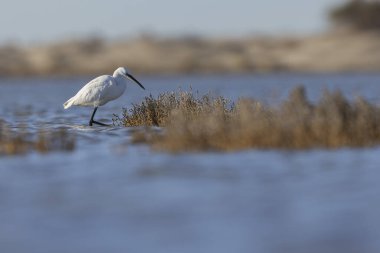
(124, 71)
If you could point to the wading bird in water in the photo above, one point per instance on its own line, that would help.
(101, 90)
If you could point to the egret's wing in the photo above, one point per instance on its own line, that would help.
(94, 91)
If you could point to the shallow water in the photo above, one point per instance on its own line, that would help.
(109, 196)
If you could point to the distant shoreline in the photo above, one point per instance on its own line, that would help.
(344, 51)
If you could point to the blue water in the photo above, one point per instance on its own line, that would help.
(110, 196)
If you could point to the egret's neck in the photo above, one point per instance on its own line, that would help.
(121, 82)
(121, 79)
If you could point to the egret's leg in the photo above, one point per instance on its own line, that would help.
(92, 119)
(99, 123)
(92, 116)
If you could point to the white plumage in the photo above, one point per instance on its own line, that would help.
(101, 90)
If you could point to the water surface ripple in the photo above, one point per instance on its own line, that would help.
(110, 196)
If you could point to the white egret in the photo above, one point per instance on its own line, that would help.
(101, 90)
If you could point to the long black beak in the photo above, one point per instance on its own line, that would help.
(135, 80)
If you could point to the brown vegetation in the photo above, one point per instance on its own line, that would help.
(20, 142)
(208, 123)
(363, 15)
(338, 51)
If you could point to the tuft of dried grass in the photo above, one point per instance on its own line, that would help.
(208, 123)
(20, 142)
(157, 111)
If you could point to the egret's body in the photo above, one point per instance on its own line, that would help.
(101, 90)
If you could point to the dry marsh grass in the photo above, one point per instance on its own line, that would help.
(192, 123)
(158, 111)
(20, 142)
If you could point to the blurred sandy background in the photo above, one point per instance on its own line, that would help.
(347, 39)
